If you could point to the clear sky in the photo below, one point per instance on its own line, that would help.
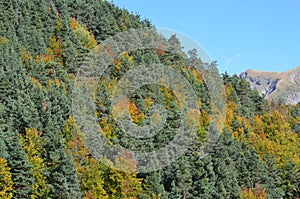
(238, 34)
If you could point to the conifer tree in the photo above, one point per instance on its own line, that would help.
(21, 170)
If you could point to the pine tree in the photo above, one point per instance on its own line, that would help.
(20, 168)
(182, 184)
(153, 185)
(62, 174)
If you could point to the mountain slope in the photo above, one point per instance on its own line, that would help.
(46, 153)
(276, 85)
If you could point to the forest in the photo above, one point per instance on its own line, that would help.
(44, 151)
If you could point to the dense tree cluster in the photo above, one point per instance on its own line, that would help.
(42, 148)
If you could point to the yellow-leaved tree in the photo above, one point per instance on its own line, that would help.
(123, 181)
(6, 182)
(254, 193)
(89, 170)
(85, 37)
(32, 145)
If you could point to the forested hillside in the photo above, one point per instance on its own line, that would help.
(43, 153)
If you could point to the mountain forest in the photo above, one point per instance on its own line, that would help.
(43, 152)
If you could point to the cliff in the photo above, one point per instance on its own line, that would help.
(276, 85)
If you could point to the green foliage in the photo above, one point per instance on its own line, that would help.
(21, 170)
(42, 152)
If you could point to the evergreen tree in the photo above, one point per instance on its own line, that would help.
(20, 168)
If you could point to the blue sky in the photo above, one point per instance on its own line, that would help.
(238, 34)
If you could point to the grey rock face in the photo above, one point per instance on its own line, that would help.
(276, 85)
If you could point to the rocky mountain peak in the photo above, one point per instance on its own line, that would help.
(276, 85)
